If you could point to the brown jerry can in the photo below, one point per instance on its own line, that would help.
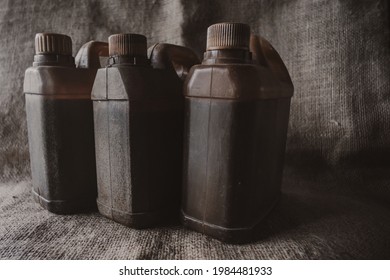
(60, 123)
(138, 107)
(236, 117)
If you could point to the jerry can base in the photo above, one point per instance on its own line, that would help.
(64, 207)
(227, 235)
(139, 220)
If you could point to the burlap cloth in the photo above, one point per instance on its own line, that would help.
(336, 189)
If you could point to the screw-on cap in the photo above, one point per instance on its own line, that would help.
(228, 36)
(127, 45)
(52, 43)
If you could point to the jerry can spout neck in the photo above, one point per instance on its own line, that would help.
(121, 60)
(53, 60)
(227, 56)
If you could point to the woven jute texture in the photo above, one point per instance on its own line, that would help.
(307, 224)
(336, 189)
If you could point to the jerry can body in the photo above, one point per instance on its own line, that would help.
(236, 118)
(138, 116)
(60, 125)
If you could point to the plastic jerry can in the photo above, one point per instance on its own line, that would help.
(60, 123)
(138, 107)
(237, 105)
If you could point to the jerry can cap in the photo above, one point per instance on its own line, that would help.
(228, 35)
(127, 45)
(53, 43)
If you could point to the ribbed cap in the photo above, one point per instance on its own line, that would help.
(127, 45)
(228, 36)
(52, 43)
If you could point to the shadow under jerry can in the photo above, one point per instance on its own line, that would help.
(60, 123)
(236, 119)
(138, 114)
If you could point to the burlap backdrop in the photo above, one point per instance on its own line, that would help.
(337, 176)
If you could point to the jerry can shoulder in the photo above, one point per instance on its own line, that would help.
(235, 81)
(135, 83)
(58, 80)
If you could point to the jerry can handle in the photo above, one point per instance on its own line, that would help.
(89, 54)
(264, 54)
(177, 58)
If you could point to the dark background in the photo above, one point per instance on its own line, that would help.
(336, 189)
